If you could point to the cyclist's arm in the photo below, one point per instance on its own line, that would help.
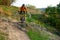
(26, 9)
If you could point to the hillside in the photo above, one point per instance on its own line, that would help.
(34, 11)
(13, 30)
(42, 9)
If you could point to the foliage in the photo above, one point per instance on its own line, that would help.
(50, 17)
(6, 2)
(53, 18)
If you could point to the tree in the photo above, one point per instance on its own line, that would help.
(58, 8)
(6, 2)
(54, 16)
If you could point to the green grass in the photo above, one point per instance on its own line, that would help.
(39, 35)
(3, 36)
(10, 10)
(36, 35)
(38, 18)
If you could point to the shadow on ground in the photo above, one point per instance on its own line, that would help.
(20, 26)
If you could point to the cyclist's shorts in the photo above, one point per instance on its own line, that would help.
(22, 12)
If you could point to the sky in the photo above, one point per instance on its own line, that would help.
(37, 3)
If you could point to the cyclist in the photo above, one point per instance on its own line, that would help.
(22, 12)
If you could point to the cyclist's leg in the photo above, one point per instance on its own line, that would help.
(22, 16)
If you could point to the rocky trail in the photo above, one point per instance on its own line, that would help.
(11, 28)
(16, 32)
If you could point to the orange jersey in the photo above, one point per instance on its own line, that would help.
(23, 9)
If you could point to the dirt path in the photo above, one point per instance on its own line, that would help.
(13, 32)
(16, 34)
